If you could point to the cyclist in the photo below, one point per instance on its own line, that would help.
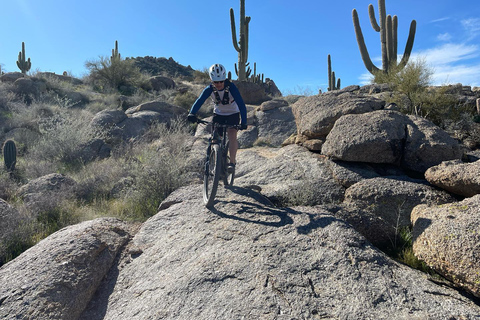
(229, 106)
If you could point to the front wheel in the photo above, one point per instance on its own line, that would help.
(229, 174)
(212, 175)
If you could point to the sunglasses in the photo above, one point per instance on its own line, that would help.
(217, 82)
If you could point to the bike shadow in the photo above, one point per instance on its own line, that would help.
(259, 210)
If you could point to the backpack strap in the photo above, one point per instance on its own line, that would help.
(226, 96)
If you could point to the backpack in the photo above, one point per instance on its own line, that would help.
(226, 97)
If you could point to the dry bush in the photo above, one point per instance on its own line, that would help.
(63, 135)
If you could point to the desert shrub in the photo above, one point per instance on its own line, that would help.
(185, 99)
(8, 185)
(114, 74)
(158, 168)
(410, 83)
(97, 179)
(411, 92)
(201, 76)
(63, 136)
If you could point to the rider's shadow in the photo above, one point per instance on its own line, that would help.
(263, 212)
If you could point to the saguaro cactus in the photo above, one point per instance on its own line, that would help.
(242, 45)
(331, 77)
(10, 154)
(23, 65)
(115, 53)
(388, 36)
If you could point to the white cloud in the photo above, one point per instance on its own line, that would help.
(440, 20)
(365, 78)
(449, 53)
(444, 37)
(472, 26)
(450, 63)
(467, 75)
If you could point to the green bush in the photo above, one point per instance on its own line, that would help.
(412, 93)
(185, 99)
(117, 75)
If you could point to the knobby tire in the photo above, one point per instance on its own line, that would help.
(212, 174)
(228, 177)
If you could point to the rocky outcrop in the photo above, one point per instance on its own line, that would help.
(390, 137)
(46, 193)
(316, 115)
(247, 259)
(288, 175)
(159, 83)
(447, 238)
(456, 177)
(57, 278)
(135, 121)
(380, 208)
(270, 124)
(252, 93)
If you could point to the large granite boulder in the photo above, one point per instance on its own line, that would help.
(447, 238)
(380, 208)
(387, 136)
(58, 277)
(248, 260)
(457, 177)
(316, 115)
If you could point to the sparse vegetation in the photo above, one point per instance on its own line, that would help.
(414, 95)
(51, 134)
(107, 75)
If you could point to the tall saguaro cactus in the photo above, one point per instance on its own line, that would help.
(22, 64)
(10, 154)
(331, 77)
(242, 45)
(388, 36)
(115, 53)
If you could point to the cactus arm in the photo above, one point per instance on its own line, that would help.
(409, 44)
(373, 20)
(247, 22)
(234, 31)
(329, 68)
(361, 44)
(391, 58)
(383, 34)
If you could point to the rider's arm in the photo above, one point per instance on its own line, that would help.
(201, 99)
(239, 100)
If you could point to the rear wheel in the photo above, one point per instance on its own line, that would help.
(212, 175)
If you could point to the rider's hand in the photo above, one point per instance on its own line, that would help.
(192, 118)
(243, 126)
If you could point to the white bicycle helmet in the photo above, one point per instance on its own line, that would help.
(217, 72)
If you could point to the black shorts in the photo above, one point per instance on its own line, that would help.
(232, 119)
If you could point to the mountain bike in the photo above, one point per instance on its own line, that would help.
(216, 163)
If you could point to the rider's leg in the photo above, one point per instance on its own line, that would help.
(233, 146)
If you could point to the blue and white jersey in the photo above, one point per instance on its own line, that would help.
(235, 102)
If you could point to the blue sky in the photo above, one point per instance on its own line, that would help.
(289, 40)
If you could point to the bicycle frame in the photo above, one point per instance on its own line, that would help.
(216, 161)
